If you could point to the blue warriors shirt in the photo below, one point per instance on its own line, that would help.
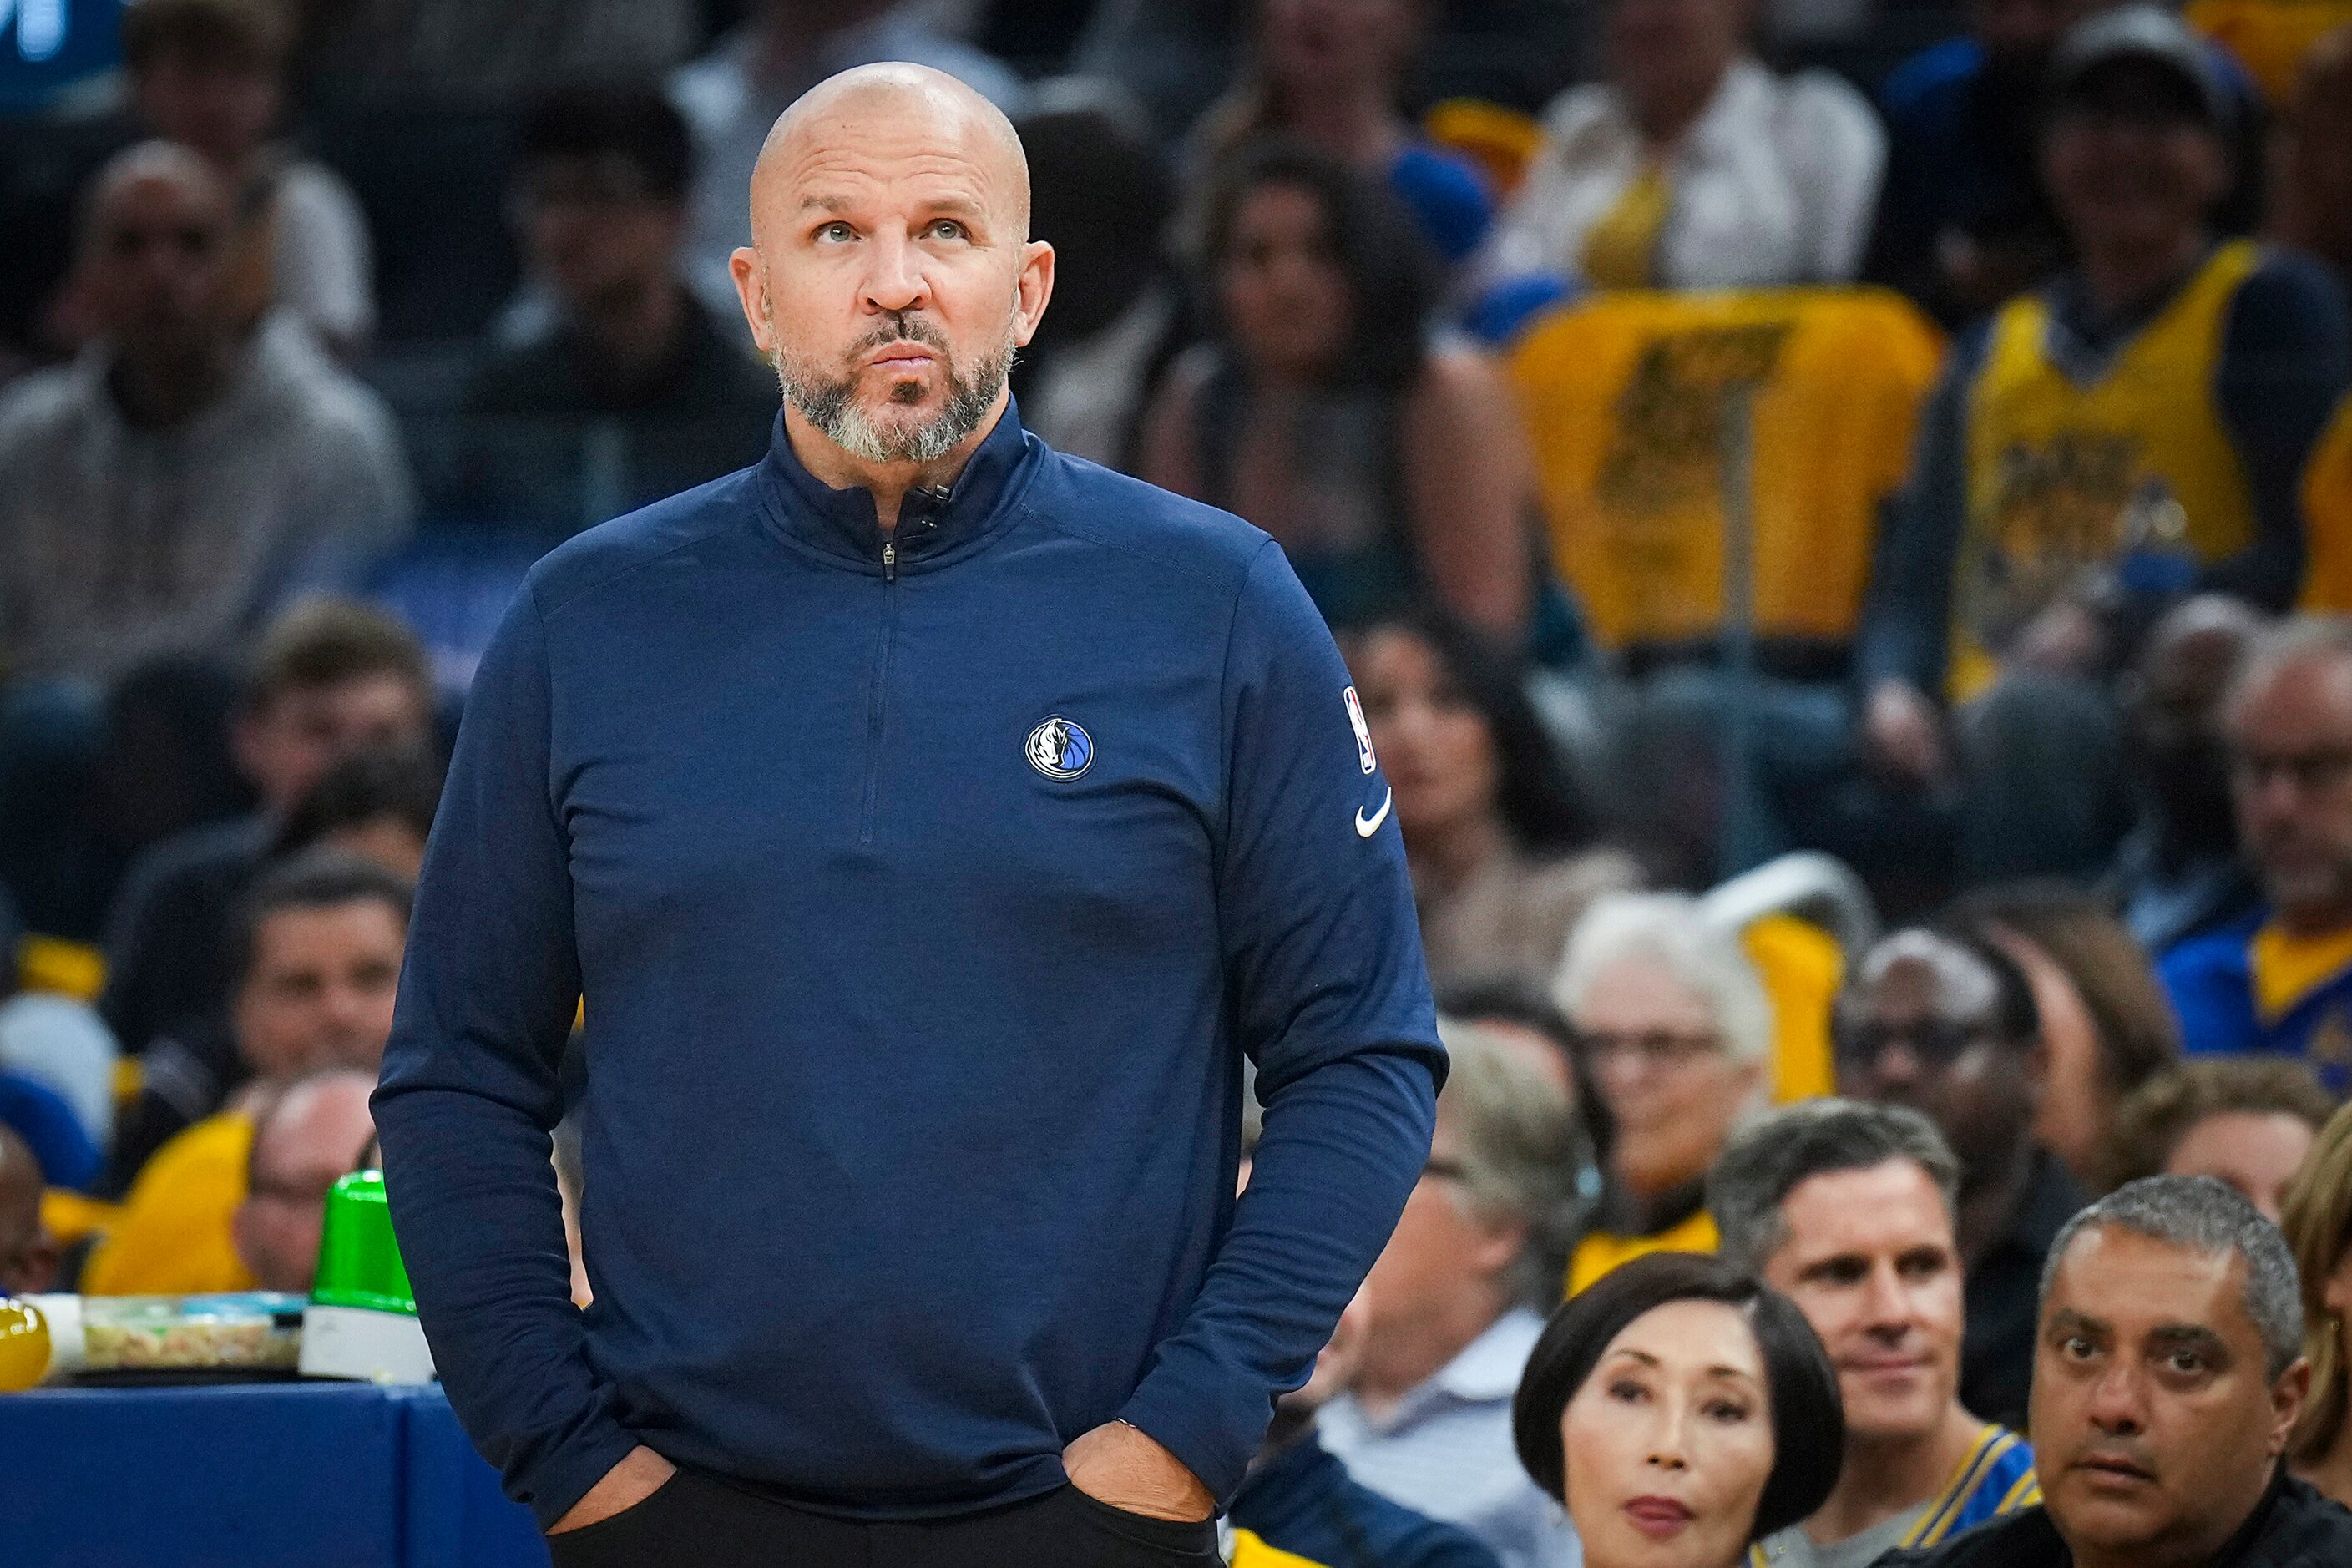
(2256, 986)
(1997, 1478)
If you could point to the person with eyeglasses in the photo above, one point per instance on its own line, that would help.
(1944, 1023)
(311, 1133)
(1457, 1301)
(1677, 1027)
(2279, 979)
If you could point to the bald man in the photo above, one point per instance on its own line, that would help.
(151, 492)
(933, 824)
(313, 1133)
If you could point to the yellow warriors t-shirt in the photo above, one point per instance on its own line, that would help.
(2064, 476)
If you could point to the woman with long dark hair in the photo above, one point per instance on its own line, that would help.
(1389, 465)
(1503, 848)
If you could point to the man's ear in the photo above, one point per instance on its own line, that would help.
(752, 289)
(2287, 1394)
(1031, 291)
(1500, 1243)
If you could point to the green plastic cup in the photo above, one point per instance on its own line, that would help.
(359, 1261)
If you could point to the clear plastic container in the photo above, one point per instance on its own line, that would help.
(254, 1330)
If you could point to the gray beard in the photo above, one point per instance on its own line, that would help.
(832, 407)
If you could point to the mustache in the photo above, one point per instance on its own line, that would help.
(902, 327)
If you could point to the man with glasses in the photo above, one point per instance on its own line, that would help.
(600, 210)
(1456, 1301)
(2281, 979)
(1946, 1025)
(311, 1133)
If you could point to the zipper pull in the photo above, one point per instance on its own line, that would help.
(890, 562)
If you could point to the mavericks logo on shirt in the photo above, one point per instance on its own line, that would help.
(1060, 749)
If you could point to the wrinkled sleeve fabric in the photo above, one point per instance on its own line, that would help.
(1329, 997)
(1906, 631)
(2286, 356)
(469, 1094)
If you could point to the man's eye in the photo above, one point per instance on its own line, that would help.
(2188, 1363)
(835, 231)
(2077, 1347)
(947, 229)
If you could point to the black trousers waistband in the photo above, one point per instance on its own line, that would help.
(698, 1520)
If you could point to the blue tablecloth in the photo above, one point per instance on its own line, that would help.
(284, 1474)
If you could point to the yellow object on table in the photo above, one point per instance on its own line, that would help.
(24, 1345)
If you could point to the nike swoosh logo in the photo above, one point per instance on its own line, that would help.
(1365, 829)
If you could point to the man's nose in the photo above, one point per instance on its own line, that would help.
(346, 1005)
(1886, 1304)
(1896, 1065)
(2117, 1405)
(896, 281)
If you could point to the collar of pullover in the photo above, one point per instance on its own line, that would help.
(932, 526)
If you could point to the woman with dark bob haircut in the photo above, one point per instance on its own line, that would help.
(1682, 1411)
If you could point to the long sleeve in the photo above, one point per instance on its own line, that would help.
(2284, 363)
(1906, 623)
(1330, 997)
(470, 1092)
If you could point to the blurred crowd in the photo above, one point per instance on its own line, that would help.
(1838, 512)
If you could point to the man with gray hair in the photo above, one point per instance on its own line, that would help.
(2277, 980)
(2167, 1377)
(1457, 1302)
(1847, 1209)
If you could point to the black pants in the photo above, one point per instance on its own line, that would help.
(696, 1520)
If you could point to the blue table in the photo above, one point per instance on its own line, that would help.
(280, 1475)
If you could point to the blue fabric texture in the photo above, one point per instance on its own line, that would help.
(924, 907)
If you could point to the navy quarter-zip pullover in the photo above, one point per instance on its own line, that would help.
(926, 893)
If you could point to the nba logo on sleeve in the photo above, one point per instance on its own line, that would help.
(1364, 758)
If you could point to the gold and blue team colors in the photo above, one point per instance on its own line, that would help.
(1997, 1478)
(2066, 474)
